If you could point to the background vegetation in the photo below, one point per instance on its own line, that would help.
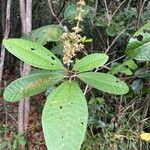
(115, 122)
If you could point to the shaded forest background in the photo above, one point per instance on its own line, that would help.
(115, 122)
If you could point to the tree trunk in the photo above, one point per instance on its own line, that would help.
(6, 34)
(24, 105)
(27, 68)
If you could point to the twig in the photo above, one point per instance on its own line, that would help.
(140, 13)
(112, 62)
(118, 8)
(129, 3)
(61, 9)
(113, 42)
(52, 12)
(107, 12)
(96, 6)
(147, 104)
(6, 119)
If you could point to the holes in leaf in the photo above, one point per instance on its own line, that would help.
(60, 107)
(62, 137)
(52, 64)
(53, 58)
(117, 81)
(126, 66)
(32, 49)
(60, 118)
(139, 37)
(71, 103)
(82, 123)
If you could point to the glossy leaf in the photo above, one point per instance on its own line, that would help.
(90, 62)
(33, 54)
(142, 73)
(64, 117)
(104, 82)
(44, 34)
(139, 46)
(137, 85)
(31, 85)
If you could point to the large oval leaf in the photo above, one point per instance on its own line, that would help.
(31, 85)
(64, 117)
(104, 82)
(44, 34)
(90, 62)
(33, 54)
(139, 46)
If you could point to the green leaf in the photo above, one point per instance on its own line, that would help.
(104, 82)
(100, 21)
(44, 34)
(19, 140)
(33, 54)
(31, 85)
(71, 12)
(64, 117)
(142, 73)
(58, 49)
(143, 29)
(90, 62)
(131, 64)
(139, 46)
(112, 30)
(120, 68)
(137, 85)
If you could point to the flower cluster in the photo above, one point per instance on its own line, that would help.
(72, 40)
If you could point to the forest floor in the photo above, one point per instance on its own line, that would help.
(9, 115)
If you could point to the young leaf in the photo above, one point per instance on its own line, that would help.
(31, 85)
(64, 117)
(44, 34)
(33, 54)
(104, 82)
(90, 62)
(120, 68)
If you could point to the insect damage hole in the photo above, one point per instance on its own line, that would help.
(32, 49)
(60, 107)
(139, 37)
(53, 58)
